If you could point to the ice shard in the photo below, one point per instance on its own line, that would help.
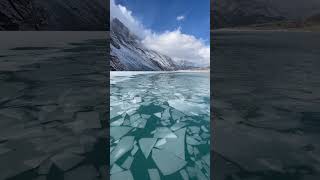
(134, 150)
(146, 145)
(158, 115)
(164, 132)
(167, 162)
(145, 116)
(194, 129)
(118, 132)
(184, 174)
(166, 114)
(115, 169)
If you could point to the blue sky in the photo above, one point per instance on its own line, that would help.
(177, 28)
(161, 15)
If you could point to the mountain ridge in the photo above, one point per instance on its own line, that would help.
(262, 13)
(54, 15)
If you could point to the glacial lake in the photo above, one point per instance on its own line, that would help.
(159, 125)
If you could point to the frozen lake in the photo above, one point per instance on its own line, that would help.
(160, 125)
(266, 102)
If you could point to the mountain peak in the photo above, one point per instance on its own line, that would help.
(128, 52)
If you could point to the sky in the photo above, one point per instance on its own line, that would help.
(177, 28)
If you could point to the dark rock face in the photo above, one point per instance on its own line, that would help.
(53, 117)
(54, 15)
(232, 13)
(313, 19)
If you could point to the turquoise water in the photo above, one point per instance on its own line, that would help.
(160, 126)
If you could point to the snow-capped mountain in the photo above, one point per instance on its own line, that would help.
(128, 53)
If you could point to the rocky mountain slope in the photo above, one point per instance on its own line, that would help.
(128, 53)
(53, 15)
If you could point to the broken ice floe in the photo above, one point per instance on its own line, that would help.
(115, 169)
(125, 175)
(178, 126)
(127, 163)
(154, 174)
(164, 132)
(124, 145)
(177, 146)
(160, 143)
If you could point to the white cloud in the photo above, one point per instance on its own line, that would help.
(180, 18)
(179, 46)
(175, 44)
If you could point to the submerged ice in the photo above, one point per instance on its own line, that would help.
(160, 126)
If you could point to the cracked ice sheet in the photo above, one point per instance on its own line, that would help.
(155, 108)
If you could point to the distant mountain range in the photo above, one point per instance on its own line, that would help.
(94, 14)
(233, 13)
(129, 54)
(54, 15)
